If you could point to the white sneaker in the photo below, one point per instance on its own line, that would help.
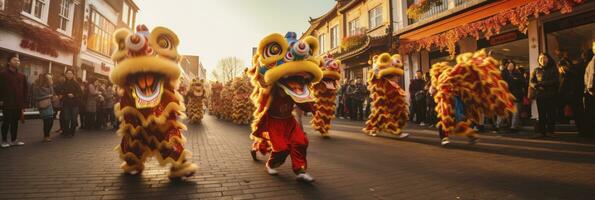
(305, 177)
(445, 141)
(403, 135)
(422, 124)
(271, 171)
(17, 143)
(5, 145)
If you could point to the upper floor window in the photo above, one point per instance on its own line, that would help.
(66, 13)
(126, 13)
(353, 26)
(375, 17)
(322, 45)
(100, 34)
(334, 36)
(2, 3)
(36, 9)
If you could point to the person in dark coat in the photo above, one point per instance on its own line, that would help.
(545, 82)
(516, 84)
(71, 99)
(571, 92)
(417, 95)
(13, 94)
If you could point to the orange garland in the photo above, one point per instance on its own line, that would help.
(518, 16)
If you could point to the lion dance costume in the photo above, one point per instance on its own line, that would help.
(326, 92)
(468, 91)
(195, 97)
(389, 106)
(242, 105)
(215, 105)
(226, 107)
(283, 73)
(150, 108)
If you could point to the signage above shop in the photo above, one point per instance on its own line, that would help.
(47, 50)
(503, 38)
(105, 68)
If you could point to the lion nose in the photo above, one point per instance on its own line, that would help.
(300, 50)
(136, 42)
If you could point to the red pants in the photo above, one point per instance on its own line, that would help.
(287, 138)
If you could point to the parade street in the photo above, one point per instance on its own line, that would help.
(350, 165)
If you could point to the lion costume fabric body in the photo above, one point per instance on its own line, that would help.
(283, 73)
(389, 108)
(242, 105)
(215, 107)
(226, 106)
(195, 97)
(326, 93)
(468, 91)
(150, 107)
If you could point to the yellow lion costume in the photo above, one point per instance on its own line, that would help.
(147, 73)
(326, 93)
(226, 106)
(215, 99)
(283, 72)
(195, 97)
(468, 91)
(389, 106)
(242, 105)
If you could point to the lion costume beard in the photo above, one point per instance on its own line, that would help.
(476, 80)
(195, 98)
(388, 101)
(150, 106)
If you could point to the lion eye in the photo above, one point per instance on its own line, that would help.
(164, 42)
(272, 49)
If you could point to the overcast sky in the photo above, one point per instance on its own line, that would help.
(213, 29)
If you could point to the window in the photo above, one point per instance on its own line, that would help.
(334, 36)
(126, 14)
(2, 3)
(37, 9)
(100, 33)
(321, 41)
(375, 16)
(353, 26)
(66, 11)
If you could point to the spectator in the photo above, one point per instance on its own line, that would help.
(357, 92)
(108, 106)
(101, 115)
(92, 94)
(341, 108)
(570, 92)
(417, 100)
(115, 122)
(71, 99)
(349, 92)
(43, 93)
(590, 94)
(57, 104)
(516, 84)
(430, 111)
(545, 82)
(13, 91)
(82, 106)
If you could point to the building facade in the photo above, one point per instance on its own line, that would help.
(192, 67)
(42, 32)
(101, 19)
(353, 31)
(563, 29)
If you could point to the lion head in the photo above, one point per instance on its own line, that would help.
(197, 87)
(146, 64)
(331, 72)
(289, 64)
(387, 67)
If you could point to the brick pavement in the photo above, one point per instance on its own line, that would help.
(350, 165)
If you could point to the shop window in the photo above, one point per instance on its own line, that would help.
(100, 32)
(334, 36)
(570, 37)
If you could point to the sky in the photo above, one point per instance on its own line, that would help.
(214, 29)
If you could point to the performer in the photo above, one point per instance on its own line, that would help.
(147, 75)
(468, 91)
(283, 73)
(326, 93)
(389, 109)
(216, 104)
(195, 97)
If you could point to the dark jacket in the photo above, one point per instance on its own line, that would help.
(13, 89)
(516, 83)
(415, 86)
(357, 92)
(547, 87)
(71, 86)
(570, 84)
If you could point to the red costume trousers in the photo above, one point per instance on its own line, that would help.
(287, 138)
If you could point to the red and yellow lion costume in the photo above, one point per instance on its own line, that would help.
(474, 83)
(242, 104)
(215, 103)
(150, 108)
(389, 109)
(326, 93)
(195, 97)
(283, 72)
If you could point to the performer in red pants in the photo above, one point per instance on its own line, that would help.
(283, 73)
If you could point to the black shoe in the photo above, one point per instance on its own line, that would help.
(253, 154)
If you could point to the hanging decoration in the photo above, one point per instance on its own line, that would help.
(417, 9)
(35, 34)
(518, 16)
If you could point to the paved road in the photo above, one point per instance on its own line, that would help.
(350, 165)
